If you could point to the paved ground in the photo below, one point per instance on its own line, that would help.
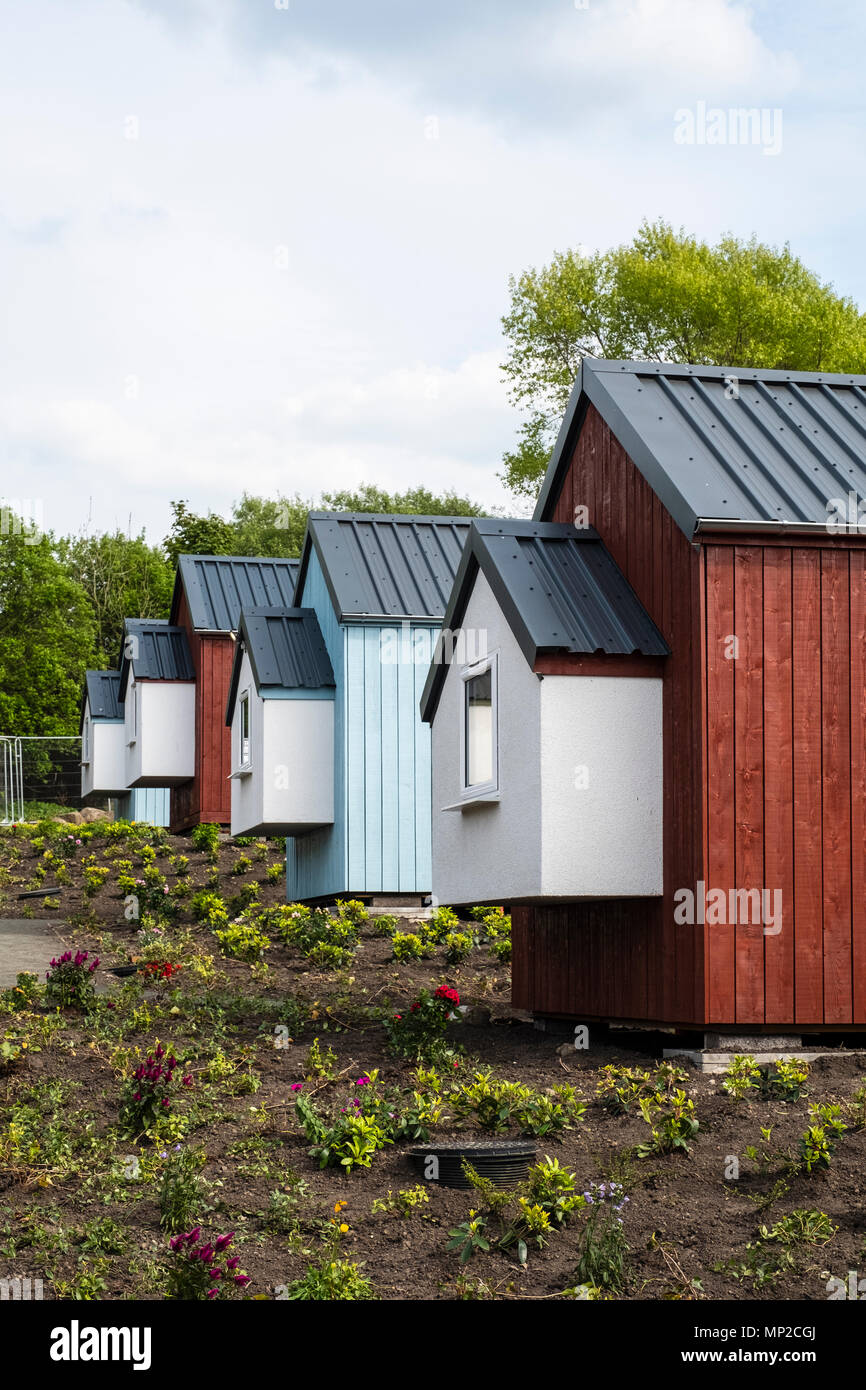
(27, 943)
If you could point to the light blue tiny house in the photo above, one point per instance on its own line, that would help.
(149, 804)
(379, 586)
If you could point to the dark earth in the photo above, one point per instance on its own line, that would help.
(684, 1221)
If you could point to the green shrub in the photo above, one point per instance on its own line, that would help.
(205, 836)
(332, 1281)
(242, 940)
(458, 947)
(407, 946)
(209, 908)
(183, 1192)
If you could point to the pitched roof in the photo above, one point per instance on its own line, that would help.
(286, 651)
(155, 650)
(101, 691)
(217, 587)
(382, 566)
(558, 587)
(728, 445)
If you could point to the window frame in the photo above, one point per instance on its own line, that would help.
(489, 790)
(245, 704)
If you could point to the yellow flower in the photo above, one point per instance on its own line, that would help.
(343, 1229)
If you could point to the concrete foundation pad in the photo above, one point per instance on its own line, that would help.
(27, 944)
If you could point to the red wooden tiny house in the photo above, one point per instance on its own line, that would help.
(764, 718)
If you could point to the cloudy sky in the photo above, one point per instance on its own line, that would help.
(265, 244)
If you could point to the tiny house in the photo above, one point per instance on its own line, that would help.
(209, 592)
(545, 701)
(103, 746)
(378, 586)
(157, 693)
(731, 501)
(280, 712)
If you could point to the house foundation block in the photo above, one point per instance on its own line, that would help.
(720, 1049)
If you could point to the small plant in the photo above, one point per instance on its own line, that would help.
(675, 1124)
(458, 947)
(818, 1142)
(182, 1192)
(403, 1204)
(442, 921)
(209, 908)
(602, 1243)
(205, 836)
(468, 1238)
(384, 925)
(620, 1089)
(351, 910)
(199, 1270)
(320, 1063)
(242, 865)
(420, 1032)
(147, 1094)
(407, 946)
(274, 873)
(70, 980)
(784, 1080)
(741, 1077)
(242, 940)
(94, 879)
(332, 1280)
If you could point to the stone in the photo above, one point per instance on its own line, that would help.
(92, 813)
(478, 1016)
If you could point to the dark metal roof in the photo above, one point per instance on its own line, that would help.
(558, 587)
(102, 691)
(155, 650)
(286, 651)
(726, 444)
(386, 566)
(217, 587)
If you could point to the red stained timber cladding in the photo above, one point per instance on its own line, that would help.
(627, 958)
(208, 796)
(764, 776)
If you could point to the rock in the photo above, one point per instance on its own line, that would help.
(72, 818)
(478, 1016)
(91, 813)
(566, 1050)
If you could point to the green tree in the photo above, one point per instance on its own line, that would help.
(276, 526)
(416, 501)
(667, 297)
(191, 534)
(123, 577)
(48, 637)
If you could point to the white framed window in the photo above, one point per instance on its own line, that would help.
(479, 729)
(132, 705)
(245, 755)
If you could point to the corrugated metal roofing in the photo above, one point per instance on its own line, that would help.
(386, 566)
(286, 651)
(160, 652)
(102, 692)
(217, 587)
(726, 444)
(560, 590)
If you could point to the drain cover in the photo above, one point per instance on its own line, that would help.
(504, 1162)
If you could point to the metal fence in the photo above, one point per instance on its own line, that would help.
(39, 768)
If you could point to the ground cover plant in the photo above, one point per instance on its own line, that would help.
(304, 1052)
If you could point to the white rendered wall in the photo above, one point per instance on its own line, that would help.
(290, 786)
(163, 752)
(490, 851)
(105, 772)
(601, 780)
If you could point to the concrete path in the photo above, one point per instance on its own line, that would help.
(27, 943)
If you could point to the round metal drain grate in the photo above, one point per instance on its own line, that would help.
(503, 1162)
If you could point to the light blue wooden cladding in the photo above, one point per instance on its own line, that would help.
(147, 804)
(381, 838)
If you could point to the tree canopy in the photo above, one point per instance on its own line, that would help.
(666, 297)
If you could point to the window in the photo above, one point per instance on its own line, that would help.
(86, 753)
(479, 740)
(244, 730)
(132, 706)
